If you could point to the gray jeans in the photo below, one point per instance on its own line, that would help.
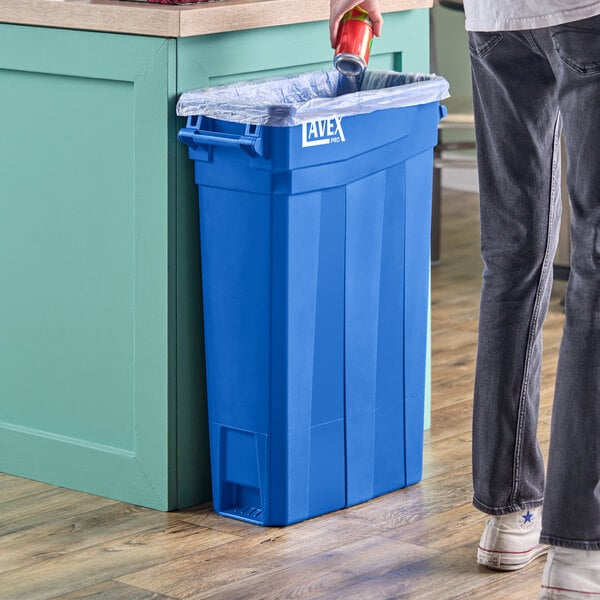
(528, 85)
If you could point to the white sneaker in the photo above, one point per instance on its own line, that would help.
(571, 574)
(510, 542)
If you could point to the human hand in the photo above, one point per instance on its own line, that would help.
(337, 9)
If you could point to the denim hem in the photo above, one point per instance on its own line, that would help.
(573, 544)
(505, 510)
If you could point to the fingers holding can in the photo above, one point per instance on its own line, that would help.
(338, 8)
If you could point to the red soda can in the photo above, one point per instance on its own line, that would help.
(354, 42)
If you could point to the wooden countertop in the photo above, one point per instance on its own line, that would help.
(174, 21)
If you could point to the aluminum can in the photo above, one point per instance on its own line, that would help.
(354, 42)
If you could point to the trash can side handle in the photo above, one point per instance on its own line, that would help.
(251, 141)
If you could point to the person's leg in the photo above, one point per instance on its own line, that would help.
(517, 129)
(572, 500)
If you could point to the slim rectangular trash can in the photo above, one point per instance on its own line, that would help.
(315, 270)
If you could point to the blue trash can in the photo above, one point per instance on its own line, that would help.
(315, 235)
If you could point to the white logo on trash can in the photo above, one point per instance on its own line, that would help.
(322, 131)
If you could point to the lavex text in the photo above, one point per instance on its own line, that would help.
(323, 131)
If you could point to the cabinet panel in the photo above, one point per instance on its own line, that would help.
(84, 256)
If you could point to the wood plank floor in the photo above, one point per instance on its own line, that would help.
(417, 543)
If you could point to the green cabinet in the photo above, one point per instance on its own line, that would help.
(101, 355)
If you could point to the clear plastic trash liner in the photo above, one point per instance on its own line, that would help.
(292, 100)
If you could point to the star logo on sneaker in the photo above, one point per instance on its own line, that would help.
(526, 521)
